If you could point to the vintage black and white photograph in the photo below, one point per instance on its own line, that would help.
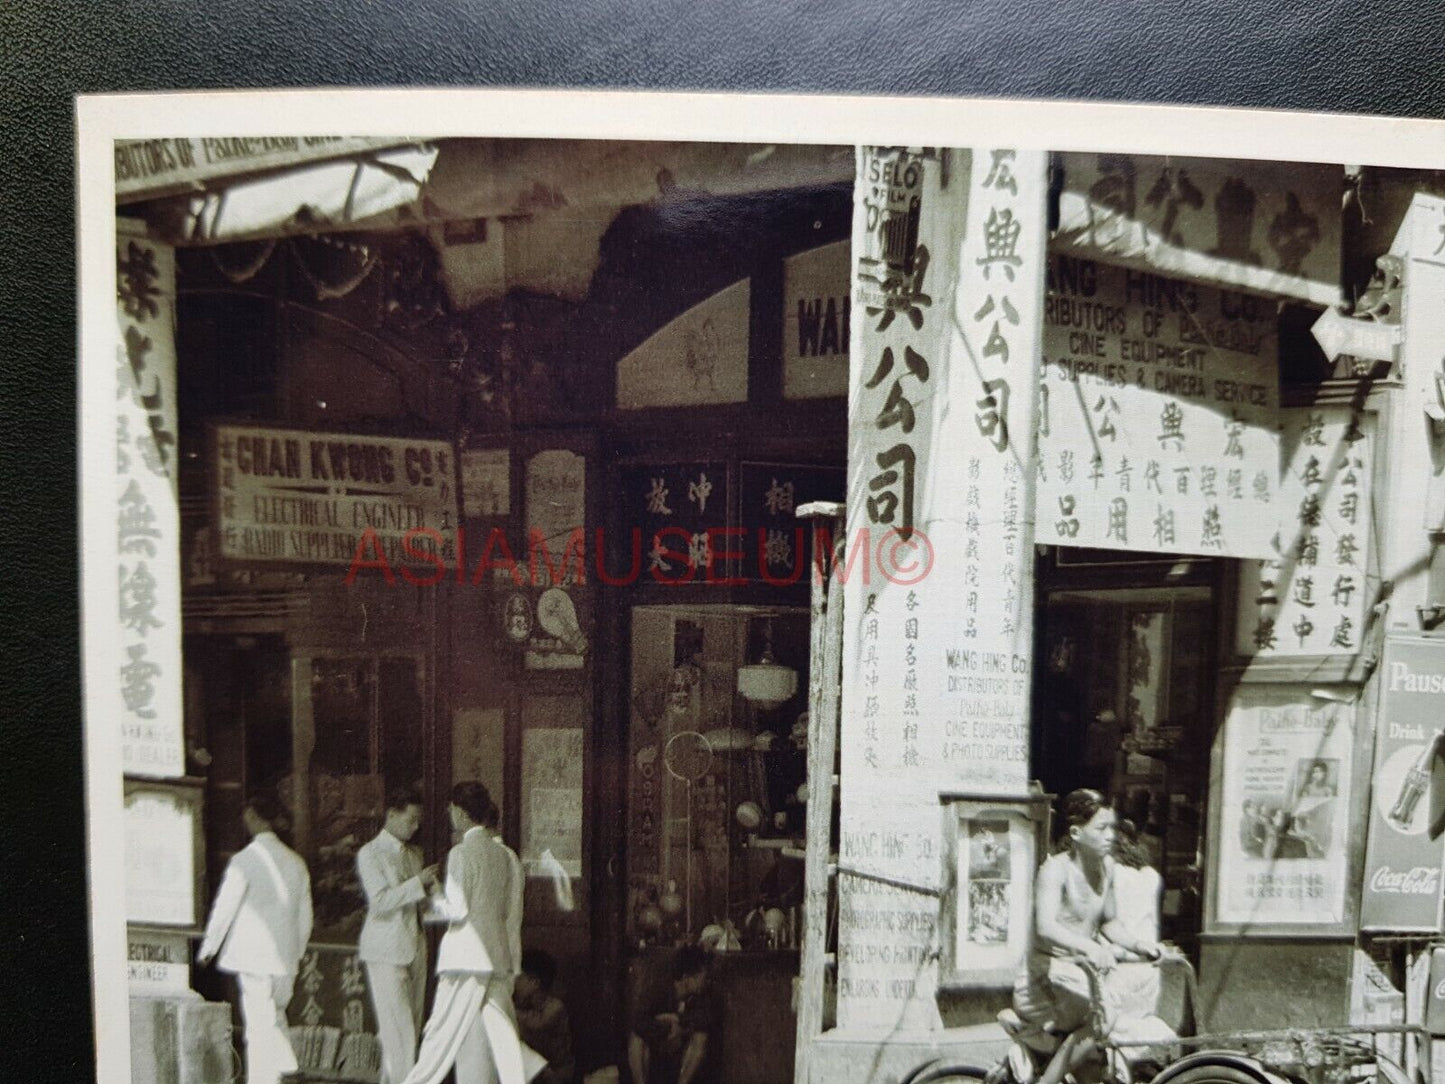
(548, 582)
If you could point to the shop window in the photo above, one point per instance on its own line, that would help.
(359, 737)
(715, 817)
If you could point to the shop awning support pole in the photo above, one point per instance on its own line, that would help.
(824, 704)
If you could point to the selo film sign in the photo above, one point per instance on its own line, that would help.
(1402, 882)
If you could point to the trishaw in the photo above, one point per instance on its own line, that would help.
(1305, 1055)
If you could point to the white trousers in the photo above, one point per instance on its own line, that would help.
(472, 1027)
(263, 1012)
(398, 992)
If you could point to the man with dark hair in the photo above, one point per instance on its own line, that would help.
(673, 1024)
(392, 947)
(259, 926)
(472, 1024)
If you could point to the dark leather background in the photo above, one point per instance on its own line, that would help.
(1382, 57)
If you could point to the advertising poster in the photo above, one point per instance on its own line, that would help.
(1401, 890)
(552, 783)
(1285, 808)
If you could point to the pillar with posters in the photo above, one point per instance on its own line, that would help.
(948, 282)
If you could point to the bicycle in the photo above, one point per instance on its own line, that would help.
(1340, 1055)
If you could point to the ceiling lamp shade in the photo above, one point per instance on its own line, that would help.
(767, 683)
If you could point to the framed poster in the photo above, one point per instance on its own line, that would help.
(1284, 799)
(991, 850)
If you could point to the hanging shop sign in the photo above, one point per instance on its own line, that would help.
(294, 496)
(948, 282)
(148, 529)
(1402, 882)
(147, 168)
(816, 316)
(774, 545)
(1159, 404)
(1271, 227)
(677, 516)
(157, 964)
(1312, 597)
(1284, 810)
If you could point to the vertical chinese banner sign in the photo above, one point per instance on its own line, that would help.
(148, 517)
(948, 286)
(1312, 597)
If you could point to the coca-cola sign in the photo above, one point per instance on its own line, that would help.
(1416, 881)
(1402, 885)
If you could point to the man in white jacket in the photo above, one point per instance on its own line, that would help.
(472, 1023)
(392, 947)
(259, 926)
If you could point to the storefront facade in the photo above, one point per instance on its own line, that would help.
(1230, 705)
(504, 486)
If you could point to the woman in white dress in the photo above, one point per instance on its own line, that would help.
(1138, 890)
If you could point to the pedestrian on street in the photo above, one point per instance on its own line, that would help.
(258, 929)
(472, 1023)
(392, 946)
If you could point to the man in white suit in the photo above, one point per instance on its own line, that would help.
(259, 926)
(472, 1024)
(392, 947)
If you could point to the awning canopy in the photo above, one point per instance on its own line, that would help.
(272, 188)
(311, 198)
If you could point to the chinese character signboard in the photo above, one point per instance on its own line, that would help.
(147, 513)
(1284, 809)
(300, 497)
(948, 283)
(678, 517)
(1402, 881)
(1158, 414)
(1273, 227)
(1311, 599)
(774, 542)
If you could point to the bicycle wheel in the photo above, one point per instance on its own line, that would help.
(1214, 1073)
(935, 1072)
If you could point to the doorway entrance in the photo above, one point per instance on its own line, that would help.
(1123, 705)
